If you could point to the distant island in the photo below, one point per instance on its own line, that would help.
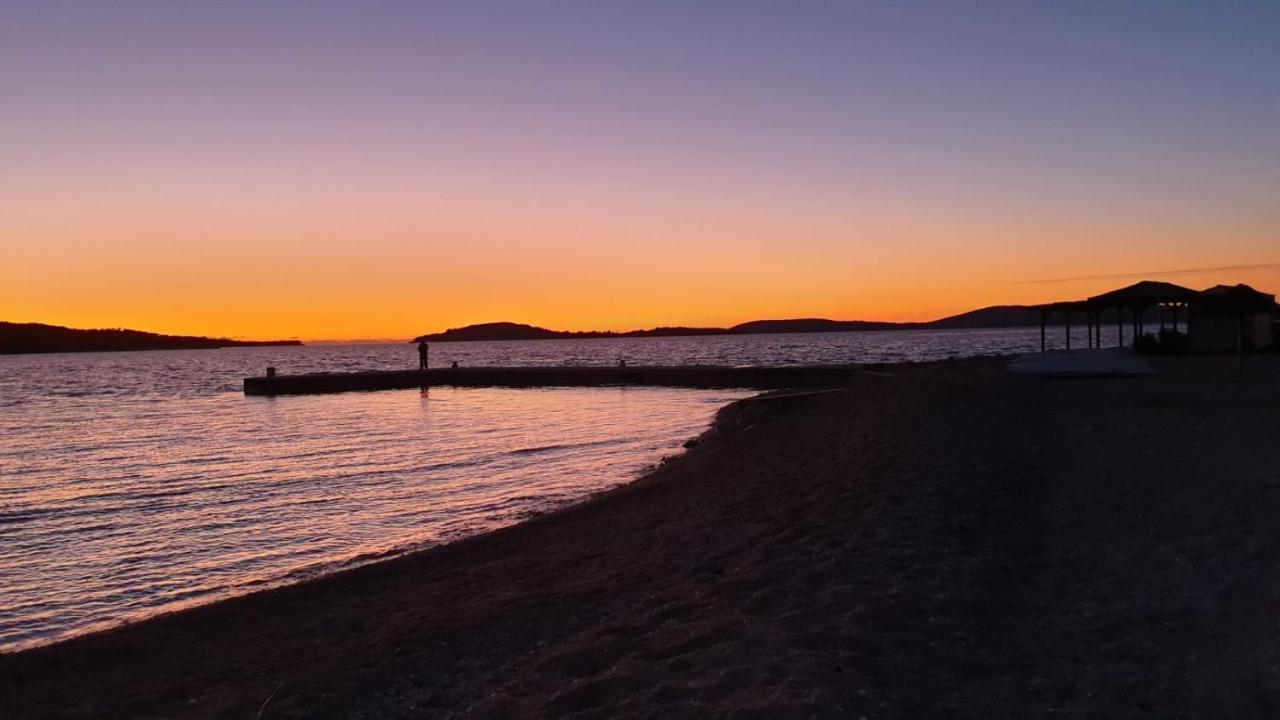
(20, 338)
(988, 317)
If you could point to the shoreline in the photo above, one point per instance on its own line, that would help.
(717, 423)
(360, 561)
(637, 469)
(337, 567)
(847, 550)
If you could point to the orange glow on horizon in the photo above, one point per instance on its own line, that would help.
(323, 263)
(268, 172)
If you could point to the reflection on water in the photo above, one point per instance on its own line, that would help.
(132, 499)
(137, 482)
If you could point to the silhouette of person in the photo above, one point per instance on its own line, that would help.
(422, 354)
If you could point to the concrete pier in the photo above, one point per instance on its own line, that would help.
(692, 376)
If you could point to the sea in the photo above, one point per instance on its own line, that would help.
(137, 483)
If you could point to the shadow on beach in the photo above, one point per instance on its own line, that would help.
(942, 540)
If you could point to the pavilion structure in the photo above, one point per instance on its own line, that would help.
(1236, 302)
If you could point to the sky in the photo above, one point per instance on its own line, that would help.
(380, 170)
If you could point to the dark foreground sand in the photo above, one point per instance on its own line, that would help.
(948, 542)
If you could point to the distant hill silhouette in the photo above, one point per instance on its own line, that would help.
(808, 325)
(16, 338)
(520, 331)
(990, 317)
(996, 316)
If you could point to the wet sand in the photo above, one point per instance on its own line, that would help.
(950, 541)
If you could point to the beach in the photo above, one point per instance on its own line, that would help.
(939, 540)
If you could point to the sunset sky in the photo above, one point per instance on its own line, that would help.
(378, 170)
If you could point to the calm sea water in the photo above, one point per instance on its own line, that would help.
(136, 483)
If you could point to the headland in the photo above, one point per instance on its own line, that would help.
(21, 338)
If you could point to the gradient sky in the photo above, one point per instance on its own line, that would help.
(345, 170)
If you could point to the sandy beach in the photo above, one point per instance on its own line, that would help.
(945, 540)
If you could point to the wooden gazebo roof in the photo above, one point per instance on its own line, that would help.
(1062, 306)
(1147, 292)
(1239, 300)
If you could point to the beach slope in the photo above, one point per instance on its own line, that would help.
(946, 541)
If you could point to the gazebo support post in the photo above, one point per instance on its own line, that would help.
(1043, 318)
(1068, 326)
(1120, 326)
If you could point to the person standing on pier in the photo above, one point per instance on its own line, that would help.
(422, 354)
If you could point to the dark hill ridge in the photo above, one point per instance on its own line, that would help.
(808, 325)
(16, 338)
(990, 317)
(520, 331)
(995, 316)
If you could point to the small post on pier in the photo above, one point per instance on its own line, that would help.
(271, 373)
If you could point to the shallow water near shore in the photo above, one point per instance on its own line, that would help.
(115, 509)
(135, 483)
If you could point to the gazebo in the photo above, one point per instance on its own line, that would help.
(1136, 299)
(1224, 317)
(1066, 307)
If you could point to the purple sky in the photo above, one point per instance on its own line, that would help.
(834, 157)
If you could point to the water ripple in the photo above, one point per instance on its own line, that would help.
(132, 486)
(137, 483)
